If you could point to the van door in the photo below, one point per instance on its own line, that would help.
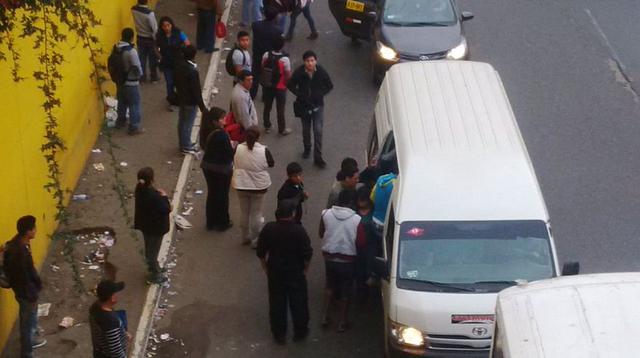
(385, 284)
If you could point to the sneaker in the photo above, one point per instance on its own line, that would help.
(280, 340)
(136, 131)
(160, 279)
(313, 36)
(320, 163)
(300, 336)
(306, 154)
(225, 227)
(38, 342)
(188, 151)
(267, 129)
(286, 131)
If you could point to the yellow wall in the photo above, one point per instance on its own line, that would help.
(23, 170)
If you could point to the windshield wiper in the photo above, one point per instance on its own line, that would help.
(446, 285)
(439, 24)
(394, 23)
(497, 282)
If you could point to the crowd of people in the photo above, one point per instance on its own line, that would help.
(350, 226)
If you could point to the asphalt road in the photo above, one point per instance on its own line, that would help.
(569, 75)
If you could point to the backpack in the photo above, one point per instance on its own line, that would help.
(228, 64)
(116, 66)
(270, 75)
(4, 281)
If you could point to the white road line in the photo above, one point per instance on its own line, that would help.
(613, 52)
(153, 294)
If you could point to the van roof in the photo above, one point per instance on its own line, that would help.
(453, 119)
(573, 316)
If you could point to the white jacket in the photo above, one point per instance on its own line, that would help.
(340, 230)
(250, 168)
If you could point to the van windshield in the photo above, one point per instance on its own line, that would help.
(476, 256)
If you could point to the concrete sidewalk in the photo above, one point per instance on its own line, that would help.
(70, 294)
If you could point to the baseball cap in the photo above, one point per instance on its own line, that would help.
(106, 289)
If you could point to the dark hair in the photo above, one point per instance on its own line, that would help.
(349, 172)
(270, 12)
(278, 43)
(347, 164)
(211, 117)
(293, 168)
(244, 74)
(285, 209)
(127, 34)
(346, 197)
(145, 177)
(242, 34)
(169, 20)
(25, 224)
(308, 54)
(189, 52)
(143, 2)
(252, 134)
(364, 194)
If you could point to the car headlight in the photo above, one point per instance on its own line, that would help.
(406, 335)
(386, 52)
(458, 52)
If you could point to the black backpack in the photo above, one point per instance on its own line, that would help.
(270, 75)
(228, 64)
(116, 66)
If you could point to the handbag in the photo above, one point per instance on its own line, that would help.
(235, 130)
(221, 30)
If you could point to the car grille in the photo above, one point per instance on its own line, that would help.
(423, 57)
(458, 343)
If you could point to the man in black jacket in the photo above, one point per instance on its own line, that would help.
(310, 83)
(285, 251)
(25, 283)
(189, 97)
(264, 33)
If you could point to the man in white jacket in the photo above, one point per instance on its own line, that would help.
(339, 228)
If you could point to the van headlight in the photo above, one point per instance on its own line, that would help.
(386, 52)
(458, 52)
(407, 336)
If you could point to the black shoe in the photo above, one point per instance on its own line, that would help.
(313, 36)
(225, 227)
(320, 163)
(155, 78)
(280, 340)
(300, 336)
(306, 154)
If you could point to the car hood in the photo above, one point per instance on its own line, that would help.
(421, 40)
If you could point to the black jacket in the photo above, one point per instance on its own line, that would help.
(20, 272)
(310, 91)
(264, 33)
(218, 152)
(286, 246)
(188, 85)
(152, 211)
(294, 192)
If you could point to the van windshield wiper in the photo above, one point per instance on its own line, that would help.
(446, 285)
(497, 282)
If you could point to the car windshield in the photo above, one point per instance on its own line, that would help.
(478, 256)
(419, 13)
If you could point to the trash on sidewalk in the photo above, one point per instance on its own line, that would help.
(124, 164)
(198, 192)
(66, 322)
(97, 150)
(94, 267)
(188, 211)
(43, 309)
(54, 268)
(165, 337)
(80, 197)
(98, 166)
(111, 112)
(181, 222)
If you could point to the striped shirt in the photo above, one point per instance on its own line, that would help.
(107, 333)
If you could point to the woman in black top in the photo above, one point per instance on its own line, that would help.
(169, 42)
(152, 218)
(217, 166)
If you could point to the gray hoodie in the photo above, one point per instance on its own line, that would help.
(132, 64)
(341, 230)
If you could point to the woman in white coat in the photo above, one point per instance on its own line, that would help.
(251, 181)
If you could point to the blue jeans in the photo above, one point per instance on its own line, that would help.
(146, 51)
(28, 325)
(186, 116)
(281, 20)
(205, 35)
(306, 11)
(128, 98)
(170, 84)
(314, 120)
(247, 7)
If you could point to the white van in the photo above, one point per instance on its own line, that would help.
(581, 316)
(466, 218)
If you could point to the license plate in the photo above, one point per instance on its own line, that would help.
(355, 5)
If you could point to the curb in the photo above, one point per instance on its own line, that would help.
(153, 294)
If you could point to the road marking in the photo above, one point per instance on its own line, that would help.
(153, 294)
(617, 66)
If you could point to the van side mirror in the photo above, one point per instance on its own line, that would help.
(570, 268)
(381, 268)
(466, 15)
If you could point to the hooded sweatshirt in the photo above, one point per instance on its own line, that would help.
(341, 229)
(380, 196)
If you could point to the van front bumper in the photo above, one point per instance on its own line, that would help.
(396, 351)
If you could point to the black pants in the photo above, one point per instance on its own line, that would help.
(151, 249)
(269, 94)
(288, 289)
(256, 71)
(313, 121)
(205, 30)
(217, 206)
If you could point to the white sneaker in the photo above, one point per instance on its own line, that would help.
(38, 342)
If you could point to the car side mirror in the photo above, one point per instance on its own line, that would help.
(381, 268)
(372, 15)
(466, 15)
(570, 268)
